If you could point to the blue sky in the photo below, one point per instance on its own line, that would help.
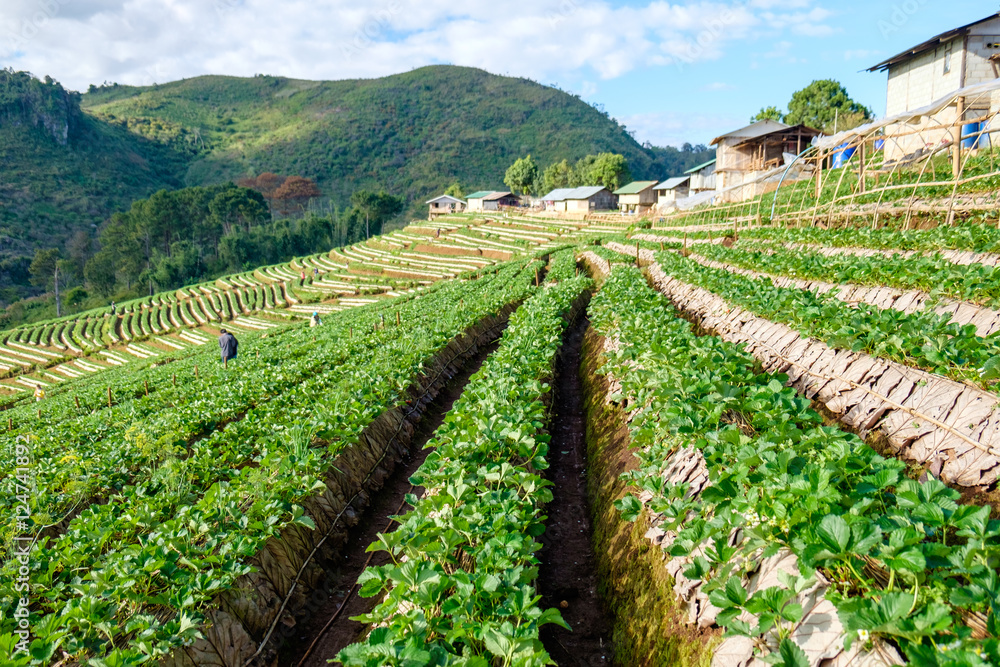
(671, 71)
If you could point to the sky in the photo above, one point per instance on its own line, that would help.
(672, 72)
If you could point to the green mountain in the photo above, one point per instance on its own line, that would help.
(71, 160)
(412, 134)
(64, 171)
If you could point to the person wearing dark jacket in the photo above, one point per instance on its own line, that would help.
(228, 345)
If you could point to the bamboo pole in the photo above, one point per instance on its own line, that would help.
(956, 132)
(109, 397)
(76, 399)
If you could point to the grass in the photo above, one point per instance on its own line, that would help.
(649, 623)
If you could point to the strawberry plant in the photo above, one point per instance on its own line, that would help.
(905, 560)
(460, 588)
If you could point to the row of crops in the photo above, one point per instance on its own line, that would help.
(460, 587)
(396, 263)
(923, 339)
(156, 504)
(896, 558)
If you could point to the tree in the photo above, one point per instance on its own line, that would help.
(455, 190)
(296, 192)
(824, 103)
(610, 170)
(557, 175)
(521, 176)
(238, 206)
(375, 209)
(45, 268)
(768, 113)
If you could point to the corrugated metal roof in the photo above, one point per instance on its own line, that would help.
(585, 192)
(634, 188)
(444, 198)
(481, 194)
(672, 183)
(559, 194)
(752, 130)
(700, 167)
(498, 195)
(928, 45)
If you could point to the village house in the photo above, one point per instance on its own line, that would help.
(491, 200)
(500, 200)
(929, 71)
(444, 205)
(670, 190)
(702, 178)
(475, 200)
(582, 200)
(745, 154)
(636, 197)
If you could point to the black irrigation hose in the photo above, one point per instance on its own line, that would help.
(350, 592)
(336, 520)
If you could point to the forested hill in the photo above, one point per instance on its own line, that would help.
(412, 134)
(69, 161)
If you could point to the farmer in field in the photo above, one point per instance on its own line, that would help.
(228, 344)
(39, 392)
(314, 321)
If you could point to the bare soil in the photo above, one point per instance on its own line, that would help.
(327, 639)
(568, 573)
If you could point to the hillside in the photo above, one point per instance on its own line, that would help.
(411, 133)
(63, 170)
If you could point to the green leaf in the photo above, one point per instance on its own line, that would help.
(834, 533)
(792, 655)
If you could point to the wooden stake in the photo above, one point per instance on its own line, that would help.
(398, 320)
(145, 384)
(10, 424)
(536, 277)
(196, 371)
(735, 229)
(861, 168)
(685, 240)
(956, 148)
(350, 332)
(109, 397)
(76, 399)
(258, 353)
(173, 379)
(39, 414)
(661, 247)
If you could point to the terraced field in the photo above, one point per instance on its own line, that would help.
(780, 448)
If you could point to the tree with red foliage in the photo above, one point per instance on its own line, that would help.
(295, 193)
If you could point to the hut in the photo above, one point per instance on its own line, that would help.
(637, 197)
(747, 153)
(476, 199)
(672, 189)
(955, 59)
(581, 200)
(444, 205)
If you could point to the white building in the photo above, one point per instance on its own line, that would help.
(918, 76)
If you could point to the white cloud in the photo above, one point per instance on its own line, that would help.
(674, 129)
(717, 86)
(141, 41)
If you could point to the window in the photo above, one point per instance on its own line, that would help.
(947, 59)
